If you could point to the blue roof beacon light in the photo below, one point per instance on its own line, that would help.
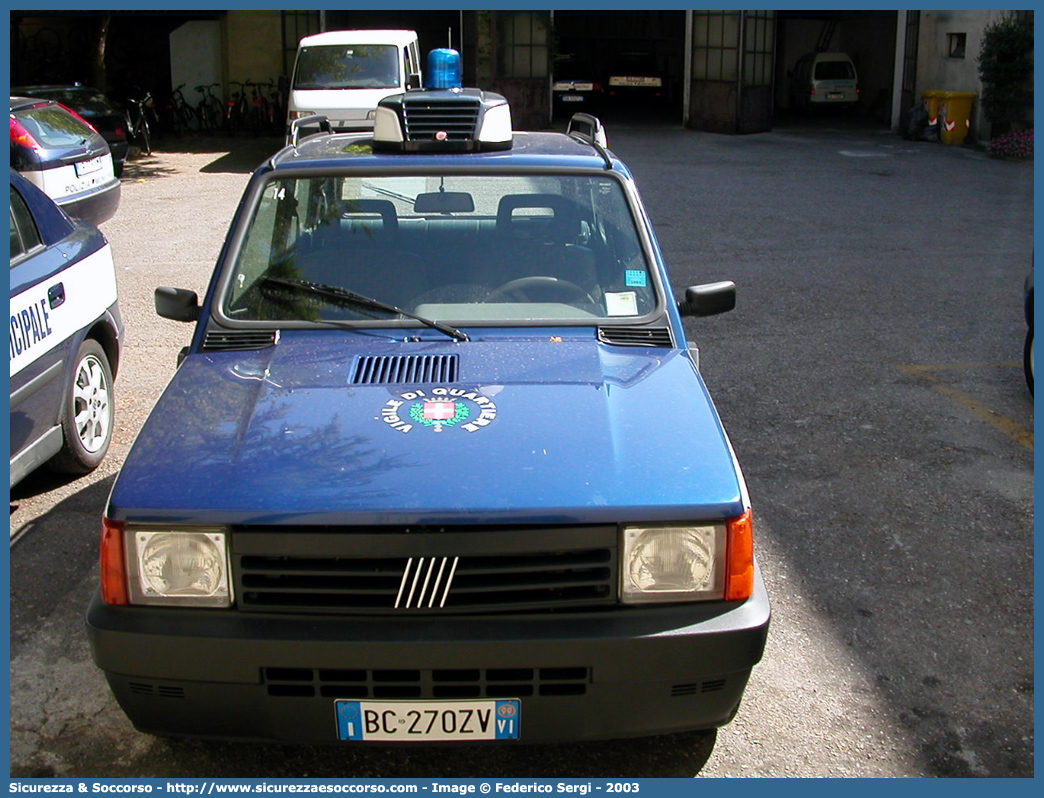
(443, 116)
(444, 69)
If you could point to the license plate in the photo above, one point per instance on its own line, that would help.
(427, 721)
(88, 167)
(572, 98)
(634, 81)
(835, 95)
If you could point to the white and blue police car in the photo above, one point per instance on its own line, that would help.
(64, 338)
(438, 465)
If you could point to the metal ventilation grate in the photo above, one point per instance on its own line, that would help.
(405, 369)
(156, 691)
(520, 682)
(696, 688)
(456, 118)
(239, 340)
(635, 336)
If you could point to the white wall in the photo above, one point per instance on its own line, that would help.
(195, 58)
(937, 71)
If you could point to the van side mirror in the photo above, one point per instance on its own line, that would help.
(177, 304)
(709, 299)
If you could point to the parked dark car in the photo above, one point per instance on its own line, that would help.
(61, 154)
(98, 110)
(64, 337)
(635, 77)
(574, 88)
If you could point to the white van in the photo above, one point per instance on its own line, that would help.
(822, 80)
(343, 74)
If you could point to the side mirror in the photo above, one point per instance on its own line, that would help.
(177, 304)
(709, 299)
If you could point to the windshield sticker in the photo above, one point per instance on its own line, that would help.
(439, 409)
(624, 303)
(635, 278)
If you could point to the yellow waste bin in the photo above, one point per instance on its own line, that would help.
(932, 102)
(955, 113)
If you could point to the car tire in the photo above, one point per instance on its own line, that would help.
(87, 412)
(1027, 359)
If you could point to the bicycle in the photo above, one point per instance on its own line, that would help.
(259, 110)
(182, 116)
(138, 126)
(210, 110)
(277, 109)
(237, 114)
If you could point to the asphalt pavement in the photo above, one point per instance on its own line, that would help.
(871, 383)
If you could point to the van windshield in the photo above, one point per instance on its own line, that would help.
(348, 66)
(834, 70)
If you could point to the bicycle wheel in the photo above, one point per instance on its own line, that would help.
(204, 118)
(231, 119)
(188, 117)
(146, 141)
(214, 112)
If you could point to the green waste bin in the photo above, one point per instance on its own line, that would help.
(932, 102)
(955, 114)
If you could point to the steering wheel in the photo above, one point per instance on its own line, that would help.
(520, 290)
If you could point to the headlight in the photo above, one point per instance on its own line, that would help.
(684, 563)
(178, 568)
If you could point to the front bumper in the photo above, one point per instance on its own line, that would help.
(625, 673)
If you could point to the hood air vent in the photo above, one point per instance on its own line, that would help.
(635, 336)
(239, 340)
(405, 369)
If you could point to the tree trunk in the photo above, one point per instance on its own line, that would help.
(99, 77)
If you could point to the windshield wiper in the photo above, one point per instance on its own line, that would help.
(345, 298)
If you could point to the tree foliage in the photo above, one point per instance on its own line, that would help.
(1006, 70)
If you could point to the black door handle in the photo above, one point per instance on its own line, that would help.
(56, 295)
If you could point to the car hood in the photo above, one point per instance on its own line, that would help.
(556, 430)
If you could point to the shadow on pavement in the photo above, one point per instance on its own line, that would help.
(672, 756)
(53, 553)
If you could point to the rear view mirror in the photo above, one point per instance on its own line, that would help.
(177, 304)
(709, 299)
(444, 202)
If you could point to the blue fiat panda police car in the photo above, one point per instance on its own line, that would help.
(438, 464)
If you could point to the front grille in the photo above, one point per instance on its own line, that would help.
(364, 572)
(405, 370)
(458, 683)
(423, 118)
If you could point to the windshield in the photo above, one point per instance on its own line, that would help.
(834, 70)
(456, 248)
(53, 126)
(348, 66)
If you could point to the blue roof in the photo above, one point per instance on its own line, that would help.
(529, 150)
